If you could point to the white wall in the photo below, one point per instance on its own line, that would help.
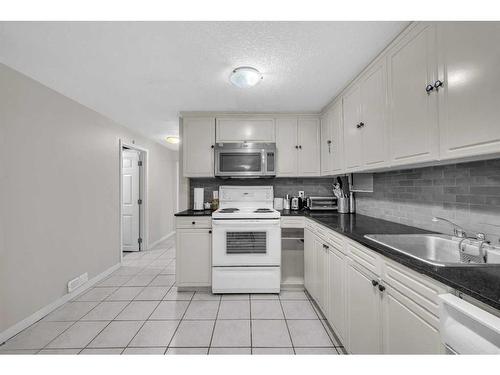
(59, 194)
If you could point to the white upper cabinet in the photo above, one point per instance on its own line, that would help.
(353, 151)
(236, 129)
(286, 146)
(414, 134)
(469, 68)
(374, 132)
(309, 153)
(198, 138)
(332, 153)
(297, 143)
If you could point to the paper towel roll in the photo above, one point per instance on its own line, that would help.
(198, 199)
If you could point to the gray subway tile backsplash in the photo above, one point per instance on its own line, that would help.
(312, 186)
(467, 193)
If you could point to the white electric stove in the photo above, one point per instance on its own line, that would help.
(246, 241)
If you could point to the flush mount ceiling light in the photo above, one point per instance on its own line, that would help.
(245, 76)
(172, 139)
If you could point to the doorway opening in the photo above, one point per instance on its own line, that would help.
(133, 198)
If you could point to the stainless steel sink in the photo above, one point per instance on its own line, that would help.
(435, 249)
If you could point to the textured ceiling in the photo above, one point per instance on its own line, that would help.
(142, 74)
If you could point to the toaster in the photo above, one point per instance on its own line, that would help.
(322, 203)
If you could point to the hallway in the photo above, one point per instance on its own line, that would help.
(138, 310)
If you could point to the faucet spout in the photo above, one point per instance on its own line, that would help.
(458, 231)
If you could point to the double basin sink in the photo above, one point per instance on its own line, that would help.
(440, 250)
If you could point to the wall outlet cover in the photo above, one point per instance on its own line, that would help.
(77, 282)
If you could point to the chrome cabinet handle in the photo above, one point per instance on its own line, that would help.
(438, 84)
(429, 89)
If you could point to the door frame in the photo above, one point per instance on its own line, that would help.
(143, 181)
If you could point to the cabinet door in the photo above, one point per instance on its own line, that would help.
(353, 152)
(321, 279)
(336, 291)
(413, 112)
(245, 130)
(198, 138)
(308, 260)
(363, 311)
(326, 144)
(337, 131)
(193, 257)
(407, 327)
(469, 57)
(286, 147)
(309, 153)
(373, 116)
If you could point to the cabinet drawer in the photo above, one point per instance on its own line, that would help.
(367, 258)
(292, 222)
(413, 285)
(335, 239)
(309, 224)
(193, 222)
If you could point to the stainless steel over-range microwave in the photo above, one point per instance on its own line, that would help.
(245, 159)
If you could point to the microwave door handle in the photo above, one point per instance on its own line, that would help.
(263, 167)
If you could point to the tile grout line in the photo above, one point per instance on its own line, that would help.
(287, 328)
(215, 323)
(251, 335)
(178, 325)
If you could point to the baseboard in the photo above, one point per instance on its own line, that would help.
(162, 239)
(18, 327)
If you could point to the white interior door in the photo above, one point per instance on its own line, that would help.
(130, 201)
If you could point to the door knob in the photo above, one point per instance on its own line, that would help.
(429, 88)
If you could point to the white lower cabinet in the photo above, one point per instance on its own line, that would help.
(336, 313)
(374, 305)
(407, 327)
(364, 333)
(193, 255)
(309, 261)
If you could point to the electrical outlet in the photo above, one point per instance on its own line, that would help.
(77, 282)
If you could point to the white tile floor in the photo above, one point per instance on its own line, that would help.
(138, 310)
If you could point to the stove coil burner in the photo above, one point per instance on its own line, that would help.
(259, 210)
(229, 210)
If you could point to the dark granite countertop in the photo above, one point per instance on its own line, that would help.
(192, 212)
(479, 282)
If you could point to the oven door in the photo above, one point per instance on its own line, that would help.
(246, 242)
